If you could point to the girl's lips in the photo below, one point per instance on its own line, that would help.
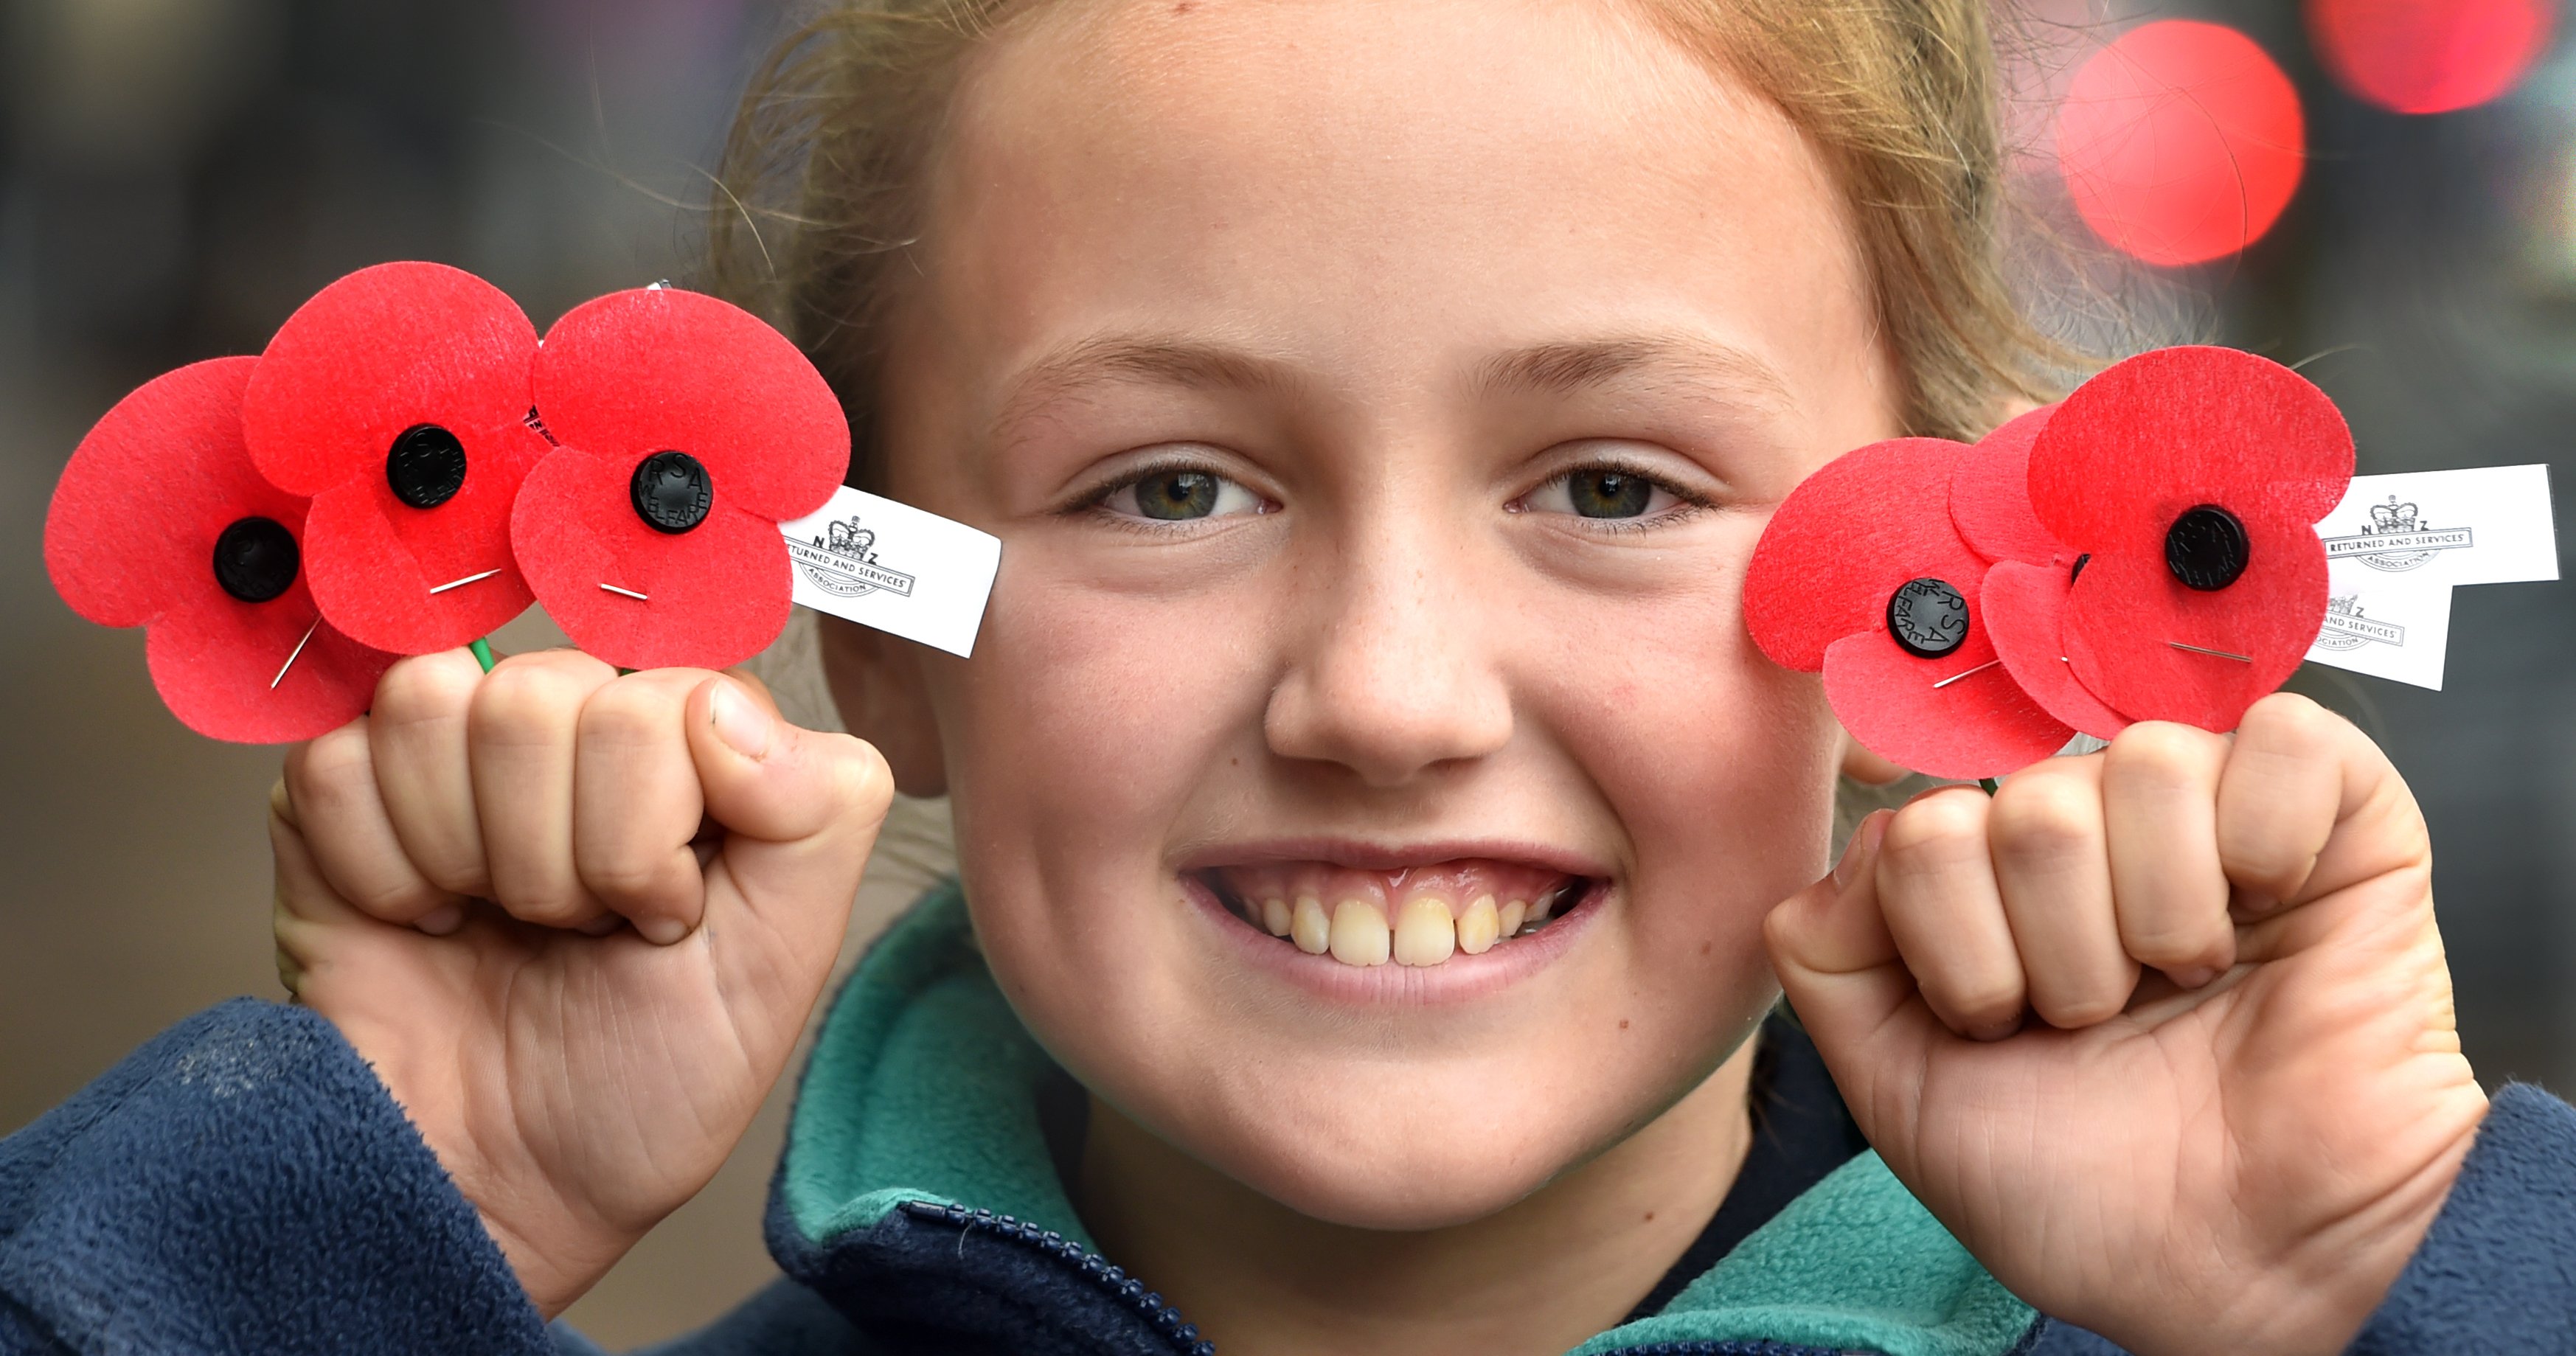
(1359, 855)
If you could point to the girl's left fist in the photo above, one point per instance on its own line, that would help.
(2163, 1033)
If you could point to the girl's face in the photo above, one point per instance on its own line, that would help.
(1379, 405)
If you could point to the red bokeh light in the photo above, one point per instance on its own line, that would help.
(2429, 56)
(2181, 142)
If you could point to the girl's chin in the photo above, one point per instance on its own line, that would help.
(1406, 1180)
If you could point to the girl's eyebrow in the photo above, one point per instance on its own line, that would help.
(1565, 367)
(1149, 360)
(1560, 367)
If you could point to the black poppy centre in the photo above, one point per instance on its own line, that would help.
(2207, 549)
(426, 466)
(1928, 617)
(671, 492)
(256, 559)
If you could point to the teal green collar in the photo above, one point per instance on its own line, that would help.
(923, 1087)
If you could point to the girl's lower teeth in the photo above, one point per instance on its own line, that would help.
(1426, 930)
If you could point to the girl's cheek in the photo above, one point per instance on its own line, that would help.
(1080, 733)
(1718, 766)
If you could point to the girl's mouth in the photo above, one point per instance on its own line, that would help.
(1416, 916)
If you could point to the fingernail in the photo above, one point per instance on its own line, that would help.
(442, 920)
(1864, 841)
(2192, 978)
(662, 931)
(1850, 859)
(740, 723)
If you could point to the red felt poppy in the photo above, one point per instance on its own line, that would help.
(398, 399)
(2024, 595)
(160, 521)
(2184, 484)
(688, 431)
(1862, 574)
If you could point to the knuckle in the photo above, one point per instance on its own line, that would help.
(2045, 818)
(2159, 752)
(2261, 855)
(427, 687)
(327, 772)
(2290, 721)
(629, 713)
(1939, 830)
(535, 690)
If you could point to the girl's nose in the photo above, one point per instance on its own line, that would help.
(1397, 666)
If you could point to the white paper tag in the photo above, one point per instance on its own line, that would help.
(894, 567)
(2442, 529)
(2394, 631)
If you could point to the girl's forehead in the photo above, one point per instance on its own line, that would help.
(1384, 192)
(1358, 115)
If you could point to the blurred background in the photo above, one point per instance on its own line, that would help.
(176, 175)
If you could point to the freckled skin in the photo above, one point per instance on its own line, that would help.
(1563, 177)
(1406, 646)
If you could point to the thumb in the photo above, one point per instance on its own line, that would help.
(1847, 982)
(801, 808)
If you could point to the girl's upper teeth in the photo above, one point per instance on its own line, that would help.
(1413, 917)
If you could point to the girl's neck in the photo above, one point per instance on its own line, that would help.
(1541, 1276)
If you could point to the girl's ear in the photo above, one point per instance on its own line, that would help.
(877, 683)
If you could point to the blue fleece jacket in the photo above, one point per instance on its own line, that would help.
(243, 1183)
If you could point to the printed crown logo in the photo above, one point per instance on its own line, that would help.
(847, 538)
(2348, 605)
(2392, 517)
(843, 562)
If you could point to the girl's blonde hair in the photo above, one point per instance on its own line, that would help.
(819, 189)
(819, 196)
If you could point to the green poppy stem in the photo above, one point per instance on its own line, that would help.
(482, 648)
(1991, 785)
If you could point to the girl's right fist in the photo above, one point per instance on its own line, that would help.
(576, 921)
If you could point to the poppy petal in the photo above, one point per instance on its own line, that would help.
(222, 668)
(661, 369)
(382, 351)
(1990, 495)
(148, 491)
(2147, 439)
(387, 574)
(1846, 539)
(2127, 622)
(712, 596)
(2024, 611)
(1962, 717)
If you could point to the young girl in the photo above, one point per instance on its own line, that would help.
(1379, 838)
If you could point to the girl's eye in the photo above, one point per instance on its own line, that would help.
(1604, 492)
(1178, 494)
